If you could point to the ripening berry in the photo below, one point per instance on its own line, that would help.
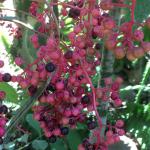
(130, 56)
(19, 61)
(120, 123)
(81, 147)
(1, 63)
(138, 35)
(50, 99)
(50, 67)
(106, 4)
(121, 132)
(110, 44)
(116, 139)
(138, 52)
(64, 12)
(146, 46)
(6, 77)
(117, 102)
(95, 13)
(68, 54)
(2, 132)
(2, 122)
(109, 133)
(60, 85)
(108, 23)
(56, 132)
(119, 52)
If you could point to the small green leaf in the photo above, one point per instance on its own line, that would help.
(11, 94)
(59, 145)
(33, 123)
(23, 138)
(39, 144)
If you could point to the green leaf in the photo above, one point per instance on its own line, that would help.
(75, 138)
(39, 144)
(33, 123)
(23, 138)
(11, 94)
(141, 10)
(59, 145)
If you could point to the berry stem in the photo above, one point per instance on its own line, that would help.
(94, 97)
(133, 11)
(121, 5)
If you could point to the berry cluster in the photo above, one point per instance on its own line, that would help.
(3, 119)
(71, 96)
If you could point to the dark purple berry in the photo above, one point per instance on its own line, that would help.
(3, 109)
(52, 139)
(72, 121)
(6, 77)
(91, 125)
(85, 99)
(50, 67)
(68, 54)
(74, 13)
(64, 130)
(32, 89)
(98, 46)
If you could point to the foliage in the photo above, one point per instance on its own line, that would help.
(135, 90)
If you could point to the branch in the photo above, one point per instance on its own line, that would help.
(13, 19)
(25, 108)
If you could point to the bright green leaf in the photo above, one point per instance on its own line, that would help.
(39, 144)
(11, 94)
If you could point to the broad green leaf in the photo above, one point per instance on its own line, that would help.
(11, 94)
(75, 138)
(59, 145)
(39, 144)
(33, 123)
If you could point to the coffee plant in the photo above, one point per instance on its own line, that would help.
(84, 73)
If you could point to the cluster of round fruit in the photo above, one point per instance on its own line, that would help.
(3, 119)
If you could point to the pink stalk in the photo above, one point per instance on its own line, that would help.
(94, 97)
(121, 5)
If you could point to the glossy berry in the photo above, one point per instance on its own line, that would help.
(52, 139)
(50, 67)
(3, 109)
(6, 77)
(68, 54)
(98, 46)
(74, 13)
(32, 89)
(85, 99)
(64, 130)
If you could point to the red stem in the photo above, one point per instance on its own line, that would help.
(133, 11)
(121, 5)
(94, 97)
